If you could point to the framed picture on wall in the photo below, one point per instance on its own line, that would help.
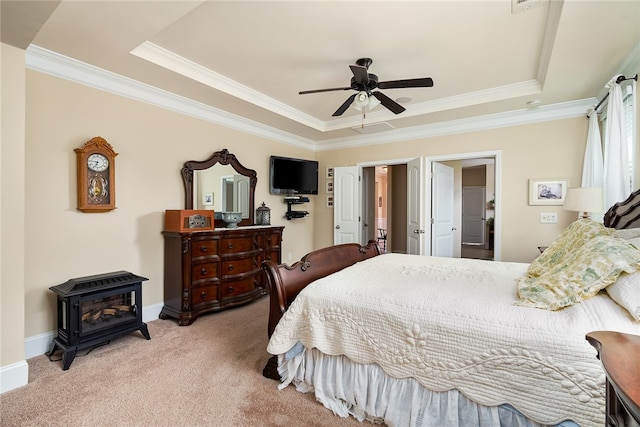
(330, 186)
(329, 172)
(207, 199)
(547, 192)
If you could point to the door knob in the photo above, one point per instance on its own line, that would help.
(338, 227)
(453, 229)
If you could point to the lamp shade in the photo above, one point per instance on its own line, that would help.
(363, 100)
(584, 200)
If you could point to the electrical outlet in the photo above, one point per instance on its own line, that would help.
(549, 218)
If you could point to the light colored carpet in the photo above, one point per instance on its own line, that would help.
(205, 374)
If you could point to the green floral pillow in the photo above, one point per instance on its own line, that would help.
(574, 236)
(580, 274)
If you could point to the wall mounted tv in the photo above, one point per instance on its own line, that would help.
(293, 176)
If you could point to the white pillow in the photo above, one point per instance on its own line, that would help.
(635, 242)
(628, 233)
(626, 292)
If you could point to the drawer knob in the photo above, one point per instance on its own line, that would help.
(230, 267)
(203, 294)
(230, 289)
(230, 246)
(203, 248)
(203, 271)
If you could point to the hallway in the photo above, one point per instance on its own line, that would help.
(477, 252)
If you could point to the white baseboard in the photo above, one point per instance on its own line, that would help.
(16, 375)
(37, 345)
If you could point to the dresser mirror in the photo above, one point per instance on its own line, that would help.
(222, 184)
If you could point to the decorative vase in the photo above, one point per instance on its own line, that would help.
(232, 218)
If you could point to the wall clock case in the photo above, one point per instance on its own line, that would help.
(96, 176)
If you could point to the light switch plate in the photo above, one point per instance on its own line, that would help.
(549, 218)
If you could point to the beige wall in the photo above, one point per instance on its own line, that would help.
(12, 208)
(153, 144)
(552, 149)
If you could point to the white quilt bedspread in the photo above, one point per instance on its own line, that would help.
(451, 324)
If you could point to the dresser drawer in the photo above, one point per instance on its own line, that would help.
(239, 266)
(237, 288)
(204, 271)
(202, 248)
(273, 239)
(204, 294)
(272, 254)
(240, 244)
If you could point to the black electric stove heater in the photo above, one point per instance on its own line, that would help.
(92, 310)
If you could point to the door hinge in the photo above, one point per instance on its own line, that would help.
(433, 221)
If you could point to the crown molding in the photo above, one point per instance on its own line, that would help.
(52, 63)
(181, 65)
(491, 121)
(64, 67)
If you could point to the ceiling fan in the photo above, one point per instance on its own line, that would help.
(365, 84)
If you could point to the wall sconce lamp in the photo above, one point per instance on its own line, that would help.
(584, 200)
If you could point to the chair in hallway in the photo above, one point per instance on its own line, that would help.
(382, 237)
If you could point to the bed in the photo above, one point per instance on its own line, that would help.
(414, 340)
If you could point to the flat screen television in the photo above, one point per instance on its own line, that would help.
(293, 176)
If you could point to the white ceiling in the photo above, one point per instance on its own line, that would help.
(251, 58)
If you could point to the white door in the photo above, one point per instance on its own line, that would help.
(473, 215)
(241, 188)
(346, 200)
(442, 210)
(415, 207)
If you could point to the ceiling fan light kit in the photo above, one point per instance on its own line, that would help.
(365, 84)
(364, 101)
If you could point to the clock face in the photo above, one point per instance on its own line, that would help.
(97, 162)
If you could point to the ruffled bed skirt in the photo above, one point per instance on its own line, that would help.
(367, 393)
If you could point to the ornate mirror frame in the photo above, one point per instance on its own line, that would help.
(224, 158)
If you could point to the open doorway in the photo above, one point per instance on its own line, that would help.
(396, 203)
(384, 206)
(478, 208)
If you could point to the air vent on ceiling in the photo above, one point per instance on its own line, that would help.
(375, 127)
(520, 5)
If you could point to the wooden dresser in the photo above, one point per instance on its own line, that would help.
(207, 271)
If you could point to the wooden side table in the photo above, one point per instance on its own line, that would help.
(620, 356)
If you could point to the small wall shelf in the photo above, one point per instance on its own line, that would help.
(295, 200)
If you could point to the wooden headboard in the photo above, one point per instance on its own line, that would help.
(624, 214)
(285, 282)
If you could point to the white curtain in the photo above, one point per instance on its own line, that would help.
(616, 151)
(593, 166)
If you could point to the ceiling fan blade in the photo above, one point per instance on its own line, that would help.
(389, 103)
(344, 106)
(304, 92)
(399, 84)
(360, 73)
